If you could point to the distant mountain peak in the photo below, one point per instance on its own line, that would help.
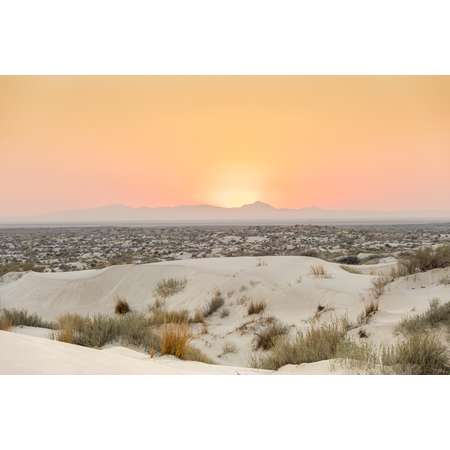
(257, 205)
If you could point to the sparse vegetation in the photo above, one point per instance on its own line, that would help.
(225, 313)
(319, 271)
(5, 323)
(122, 306)
(436, 315)
(256, 307)
(369, 310)
(215, 304)
(378, 286)
(316, 344)
(428, 258)
(15, 317)
(362, 333)
(170, 286)
(266, 338)
(19, 267)
(419, 354)
(351, 260)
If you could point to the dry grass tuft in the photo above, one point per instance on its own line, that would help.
(163, 316)
(175, 339)
(316, 344)
(370, 309)
(15, 317)
(267, 338)
(378, 286)
(5, 323)
(428, 258)
(122, 306)
(419, 354)
(170, 286)
(319, 271)
(215, 304)
(436, 315)
(256, 307)
(229, 347)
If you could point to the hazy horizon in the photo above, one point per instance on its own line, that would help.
(364, 143)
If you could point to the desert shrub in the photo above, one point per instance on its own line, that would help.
(435, 316)
(316, 344)
(19, 267)
(21, 317)
(428, 258)
(266, 338)
(225, 313)
(122, 306)
(256, 307)
(170, 286)
(319, 271)
(351, 269)
(419, 354)
(216, 303)
(163, 316)
(369, 310)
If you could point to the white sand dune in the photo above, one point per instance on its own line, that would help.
(285, 283)
(22, 354)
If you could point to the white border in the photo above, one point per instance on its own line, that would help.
(224, 37)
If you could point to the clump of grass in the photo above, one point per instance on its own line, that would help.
(369, 310)
(130, 329)
(316, 344)
(419, 354)
(215, 304)
(266, 338)
(351, 269)
(175, 339)
(162, 316)
(428, 258)
(198, 317)
(17, 317)
(5, 323)
(319, 271)
(122, 306)
(256, 307)
(170, 286)
(436, 315)
(94, 331)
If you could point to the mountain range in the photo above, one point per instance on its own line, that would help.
(257, 212)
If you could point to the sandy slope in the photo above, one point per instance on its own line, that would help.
(22, 354)
(285, 283)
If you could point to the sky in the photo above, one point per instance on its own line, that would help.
(365, 143)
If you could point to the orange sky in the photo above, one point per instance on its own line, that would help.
(379, 143)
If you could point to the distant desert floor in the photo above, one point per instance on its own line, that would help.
(287, 285)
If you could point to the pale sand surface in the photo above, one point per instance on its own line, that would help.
(285, 283)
